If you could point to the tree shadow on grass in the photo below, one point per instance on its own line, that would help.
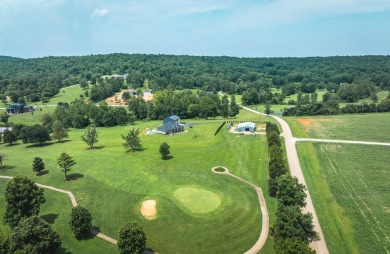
(38, 145)
(137, 150)
(6, 167)
(43, 172)
(50, 217)
(75, 176)
(96, 148)
(168, 157)
(63, 141)
(148, 251)
(63, 250)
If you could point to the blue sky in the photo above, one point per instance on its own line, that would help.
(245, 28)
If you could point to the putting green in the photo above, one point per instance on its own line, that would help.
(198, 200)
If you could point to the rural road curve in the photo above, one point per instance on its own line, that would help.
(295, 169)
(74, 203)
(263, 208)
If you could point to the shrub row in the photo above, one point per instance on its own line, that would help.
(292, 229)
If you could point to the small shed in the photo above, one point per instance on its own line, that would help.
(172, 119)
(170, 128)
(247, 126)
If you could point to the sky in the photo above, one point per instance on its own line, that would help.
(243, 28)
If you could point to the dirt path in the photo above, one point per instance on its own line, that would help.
(74, 203)
(341, 141)
(295, 169)
(264, 212)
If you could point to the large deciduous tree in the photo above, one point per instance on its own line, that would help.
(65, 161)
(23, 199)
(35, 134)
(290, 191)
(80, 221)
(59, 131)
(225, 106)
(132, 239)
(9, 137)
(34, 235)
(132, 140)
(90, 136)
(38, 165)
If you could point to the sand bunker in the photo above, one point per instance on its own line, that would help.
(148, 209)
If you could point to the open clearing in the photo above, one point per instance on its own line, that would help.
(112, 184)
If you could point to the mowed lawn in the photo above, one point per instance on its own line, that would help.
(348, 183)
(112, 184)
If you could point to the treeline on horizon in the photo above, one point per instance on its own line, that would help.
(39, 79)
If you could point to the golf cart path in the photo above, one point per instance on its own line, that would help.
(74, 203)
(263, 208)
(295, 170)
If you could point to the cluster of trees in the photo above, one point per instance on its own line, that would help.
(276, 165)
(35, 134)
(292, 230)
(104, 88)
(261, 96)
(41, 78)
(79, 114)
(28, 232)
(184, 103)
(330, 106)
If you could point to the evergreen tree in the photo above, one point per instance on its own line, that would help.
(225, 107)
(164, 150)
(38, 165)
(65, 161)
(234, 109)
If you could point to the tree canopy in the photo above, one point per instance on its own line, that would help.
(132, 239)
(23, 199)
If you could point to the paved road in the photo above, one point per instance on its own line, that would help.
(263, 208)
(74, 203)
(295, 169)
(341, 141)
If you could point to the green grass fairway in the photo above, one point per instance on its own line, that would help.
(112, 183)
(67, 94)
(197, 200)
(366, 127)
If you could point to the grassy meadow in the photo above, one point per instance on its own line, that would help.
(112, 184)
(348, 183)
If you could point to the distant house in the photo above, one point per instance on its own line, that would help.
(132, 91)
(170, 128)
(172, 119)
(147, 92)
(247, 126)
(2, 129)
(17, 108)
(124, 76)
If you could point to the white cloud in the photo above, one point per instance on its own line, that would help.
(99, 13)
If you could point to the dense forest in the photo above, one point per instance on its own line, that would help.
(41, 78)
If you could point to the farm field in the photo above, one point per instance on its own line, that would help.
(351, 196)
(112, 184)
(362, 127)
(347, 182)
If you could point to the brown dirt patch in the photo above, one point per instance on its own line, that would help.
(148, 209)
(148, 97)
(116, 99)
(305, 122)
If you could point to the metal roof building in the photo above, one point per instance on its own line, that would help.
(247, 126)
